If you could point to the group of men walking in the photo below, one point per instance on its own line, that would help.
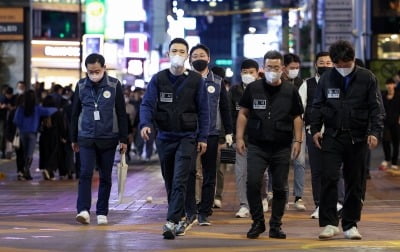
(338, 113)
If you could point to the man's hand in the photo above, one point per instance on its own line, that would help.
(317, 138)
(75, 147)
(296, 147)
(122, 148)
(201, 148)
(372, 142)
(228, 139)
(145, 133)
(240, 146)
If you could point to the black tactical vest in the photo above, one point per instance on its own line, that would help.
(270, 119)
(176, 106)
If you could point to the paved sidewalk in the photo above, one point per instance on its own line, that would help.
(39, 215)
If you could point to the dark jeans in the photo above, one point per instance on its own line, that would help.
(176, 161)
(209, 170)
(335, 152)
(104, 159)
(277, 159)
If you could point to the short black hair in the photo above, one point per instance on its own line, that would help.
(200, 46)
(341, 50)
(289, 58)
(321, 54)
(249, 63)
(273, 55)
(95, 58)
(390, 80)
(179, 41)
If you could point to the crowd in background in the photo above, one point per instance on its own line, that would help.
(51, 138)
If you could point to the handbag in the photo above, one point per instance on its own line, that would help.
(228, 155)
(16, 140)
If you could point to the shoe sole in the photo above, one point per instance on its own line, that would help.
(323, 237)
(81, 220)
(204, 224)
(242, 216)
(169, 235)
(353, 238)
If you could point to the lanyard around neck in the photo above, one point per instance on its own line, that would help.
(96, 101)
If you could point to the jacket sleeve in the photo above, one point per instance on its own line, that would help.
(376, 109)
(120, 110)
(318, 101)
(225, 111)
(75, 112)
(148, 105)
(203, 112)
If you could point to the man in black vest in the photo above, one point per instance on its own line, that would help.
(174, 101)
(271, 109)
(323, 62)
(349, 104)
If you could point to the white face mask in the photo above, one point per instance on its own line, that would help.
(344, 71)
(96, 77)
(247, 78)
(272, 77)
(177, 60)
(19, 91)
(293, 73)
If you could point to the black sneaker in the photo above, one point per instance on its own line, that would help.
(277, 233)
(169, 230)
(203, 221)
(256, 229)
(185, 225)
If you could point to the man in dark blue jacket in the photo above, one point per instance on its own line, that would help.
(174, 101)
(349, 104)
(98, 124)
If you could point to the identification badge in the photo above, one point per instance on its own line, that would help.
(333, 93)
(166, 97)
(96, 114)
(259, 104)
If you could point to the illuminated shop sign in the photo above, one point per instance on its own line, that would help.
(95, 16)
(65, 51)
(136, 45)
(11, 23)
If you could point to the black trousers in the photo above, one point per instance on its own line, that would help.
(209, 169)
(277, 159)
(335, 152)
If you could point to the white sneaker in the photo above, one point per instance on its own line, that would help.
(265, 205)
(217, 203)
(339, 206)
(315, 214)
(352, 234)
(328, 232)
(102, 220)
(243, 212)
(83, 217)
(394, 167)
(299, 205)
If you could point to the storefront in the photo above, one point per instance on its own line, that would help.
(55, 62)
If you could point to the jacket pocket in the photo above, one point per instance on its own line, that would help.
(189, 122)
(162, 121)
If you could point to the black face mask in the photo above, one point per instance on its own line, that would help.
(321, 70)
(199, 65)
